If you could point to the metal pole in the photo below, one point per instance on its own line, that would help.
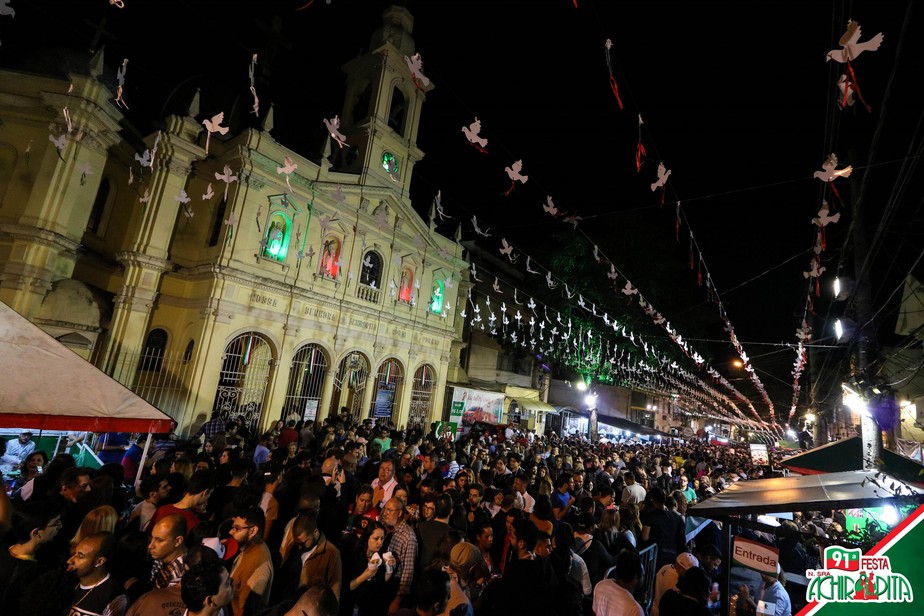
(144, 456)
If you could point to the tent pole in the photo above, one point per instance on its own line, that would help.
(729, 609)
(144, 455)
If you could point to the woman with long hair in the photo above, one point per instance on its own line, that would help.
(98, 520)
(542, 515)
(361, 512)
(32, 467)
(574, 585)
(464, 478)
(631, 524)
(609, 534)
(369, 582)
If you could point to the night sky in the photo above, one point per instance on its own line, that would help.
(737, 99)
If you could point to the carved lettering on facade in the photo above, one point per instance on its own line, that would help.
(360, 324)
(324, 315)
(256, 298)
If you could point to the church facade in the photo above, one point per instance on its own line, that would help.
(229, 273)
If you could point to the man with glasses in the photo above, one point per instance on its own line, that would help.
(36, 523)
(402, 543)
(435, 526)
(253, 567)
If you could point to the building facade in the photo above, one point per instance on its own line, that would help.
(212, 272)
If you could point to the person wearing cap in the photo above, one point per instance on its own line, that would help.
(464, 560)
(21, 447)
(771, 592)
(668, 575)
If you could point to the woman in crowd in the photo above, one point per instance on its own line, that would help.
(571, 572)
(368, 582)
(609, 534)
(630, 523)
(361, 512)
(98, 520)
(542, 515)
(32, 467)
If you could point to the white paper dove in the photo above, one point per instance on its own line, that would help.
(478, 229)
(227, 177)
(213, 125)
(251, 69)
(287, 169)
(513, 172)
(823, 218)
(120, 78)
(663, 174)
(333, 127)
(507, 249)
(549, 206)
(415, 65)
(829, 171)
(851, 47)
(209, 193)
(471, 133)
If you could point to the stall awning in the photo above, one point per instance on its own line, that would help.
(534, 406)
(809, 493)
(630, 426)
(847, 454)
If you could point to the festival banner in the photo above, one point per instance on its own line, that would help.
(476, 405)
(889, 575)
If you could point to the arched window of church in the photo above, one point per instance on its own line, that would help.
(361, 106)
(371, 270)
(99, 207)
(406, 287)
(436, 296)
(397, 112)
(152, 356)
(276, 239)
(330, 257)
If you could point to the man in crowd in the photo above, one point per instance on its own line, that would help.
(168, 549)
(21, 447)
(668, 575)
(475, 512)
(194, 501)
(524, 500)
(431, 532)
(771, 591)
(633, 493)
(402, 543)
(528, 583)
(36, 524)
(253, 567)
(383, 486)
(613, 597)
(154, 489)
(314, 560)
(96, 592)
(207, 589)
(561, 498)
(664, 527)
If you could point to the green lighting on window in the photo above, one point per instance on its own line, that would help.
(389, 163)
(436, 299)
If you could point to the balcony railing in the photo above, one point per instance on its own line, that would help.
(368, 294)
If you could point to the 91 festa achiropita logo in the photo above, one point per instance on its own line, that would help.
(848, 576)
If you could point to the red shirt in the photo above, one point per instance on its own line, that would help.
(286, 436)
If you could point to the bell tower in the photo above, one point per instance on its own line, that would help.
(381, 111)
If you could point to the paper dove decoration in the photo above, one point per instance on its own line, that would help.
(209, 193)
(478, 229)
(851, 47)
(227, 177)
(144, 159)
(829, 172)
(609, 66)
(496, 286)
(146, 198)
(663, 174)
(182, 197)
(815, 271)
(549, 206)
(85, 171)
(823, 218)
(438, 204)
(415, 65)
(120, 78)
(230, 222)
(213, 125)
(629, 289)
(333, 127)
(6, 10)
(513, 172)
(507, 249)
(287, 169)
(528, 268)
(471, 133)
(60, 142)
(251, 69)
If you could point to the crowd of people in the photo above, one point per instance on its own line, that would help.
(361, 519)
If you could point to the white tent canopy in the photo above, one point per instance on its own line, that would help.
(47, 386)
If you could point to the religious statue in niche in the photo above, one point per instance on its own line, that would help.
(436, 297)
(275, 239)
(330, 257)
(406, 288)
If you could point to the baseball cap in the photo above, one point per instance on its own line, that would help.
(685, 560)
(26, 433)
(464, 555)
